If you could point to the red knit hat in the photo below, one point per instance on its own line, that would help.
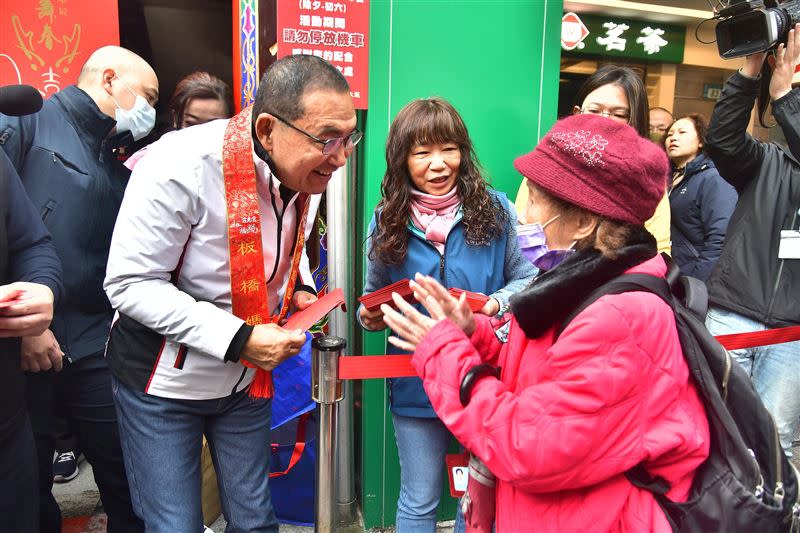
(600, 165)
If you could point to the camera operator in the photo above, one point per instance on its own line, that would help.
(756, 283)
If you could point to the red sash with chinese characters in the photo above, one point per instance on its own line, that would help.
(248, 280)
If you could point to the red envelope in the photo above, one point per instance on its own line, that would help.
(475, 300)
(312, 314)
(383, 295)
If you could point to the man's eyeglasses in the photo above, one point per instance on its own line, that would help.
(329, 146)
(615, 114)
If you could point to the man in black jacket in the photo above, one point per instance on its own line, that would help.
(756, 283)
(30, 282)
(66, 157)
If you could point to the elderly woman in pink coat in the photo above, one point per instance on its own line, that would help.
(559, 418)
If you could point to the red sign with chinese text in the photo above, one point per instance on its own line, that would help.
(44, 43)
(337, 31)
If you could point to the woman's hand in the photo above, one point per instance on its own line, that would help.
(441, 304)
(490, 308)
(786, 58)
(371, 320)
(412, 326)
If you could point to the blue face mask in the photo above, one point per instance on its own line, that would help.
(532, 243)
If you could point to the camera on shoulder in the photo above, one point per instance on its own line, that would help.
(750, 26)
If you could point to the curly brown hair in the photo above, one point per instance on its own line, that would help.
(431, 121)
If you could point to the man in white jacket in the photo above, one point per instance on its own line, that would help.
(207, 257)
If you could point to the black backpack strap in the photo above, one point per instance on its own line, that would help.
(619, 285)
(657, 486)
(639, 477)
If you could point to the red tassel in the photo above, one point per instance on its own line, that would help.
(261, 386)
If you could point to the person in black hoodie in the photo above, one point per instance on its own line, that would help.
(700, 201)
(30, 283)
(66, 156)
(756, 282)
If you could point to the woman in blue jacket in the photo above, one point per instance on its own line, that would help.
(437, 216)
(701, 201)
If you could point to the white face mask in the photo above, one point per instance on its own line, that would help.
(139, 120)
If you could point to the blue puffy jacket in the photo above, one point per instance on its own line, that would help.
(498, 269)
(701, 206)
(70, 171)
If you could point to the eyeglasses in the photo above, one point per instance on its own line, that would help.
(329, 146)
(614, 114)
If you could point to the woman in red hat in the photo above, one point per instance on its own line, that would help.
(618, 93)
(569, 414)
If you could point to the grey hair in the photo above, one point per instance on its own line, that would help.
(285, 82)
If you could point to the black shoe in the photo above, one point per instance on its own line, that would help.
(65, 467)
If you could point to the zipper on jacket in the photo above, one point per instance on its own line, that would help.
(758, 490)
(778, 277)
(441, 256)
(241, 377)
(48, 208)
(279, 219)
(795, 523)
(726, 374)
(779, 493)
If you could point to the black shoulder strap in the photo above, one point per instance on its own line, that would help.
(657, 486)
(619, 285)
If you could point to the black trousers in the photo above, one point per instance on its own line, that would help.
(81, 393)
(19, 489)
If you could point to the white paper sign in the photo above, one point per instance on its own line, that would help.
(790, 244)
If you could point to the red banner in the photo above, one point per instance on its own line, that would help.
(336, 31)
(44, 43)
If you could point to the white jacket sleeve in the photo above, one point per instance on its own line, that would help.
(162, 203)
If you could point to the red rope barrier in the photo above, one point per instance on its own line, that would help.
(396, 366)
(375, 366)
(736, 341)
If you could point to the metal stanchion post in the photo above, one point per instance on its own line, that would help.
(326, 390)
(341, 204)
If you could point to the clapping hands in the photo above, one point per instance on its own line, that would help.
(412, 326)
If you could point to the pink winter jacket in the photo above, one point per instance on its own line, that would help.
(567, 419)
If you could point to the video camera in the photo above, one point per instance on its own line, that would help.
(751, 26)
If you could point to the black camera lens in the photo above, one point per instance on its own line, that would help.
(746, 34)
(756, 30)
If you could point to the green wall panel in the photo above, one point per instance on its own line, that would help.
(497, 62)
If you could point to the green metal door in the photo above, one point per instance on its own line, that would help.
(497, 62)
